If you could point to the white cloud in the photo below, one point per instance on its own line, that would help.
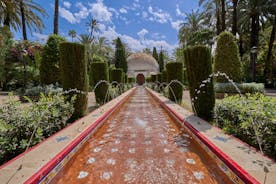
(137, 44)
(40, 37)
(159, 15)
(176, 24)
(66, 4)
(158, 36)
(114, 11)
(178, 12)
(123, 10)
(144, 14)
(100, 12)
(66, 14)
(142, 33)
(83, 12)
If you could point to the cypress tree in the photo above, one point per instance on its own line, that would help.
(198, 67)
(74, 74)
(175, 72)
(227, 58)
(161, 61)
(155, 54)
(120, 55)
(49, 67)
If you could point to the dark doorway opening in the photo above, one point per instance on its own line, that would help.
(140, 79)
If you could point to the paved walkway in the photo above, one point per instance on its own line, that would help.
(270, 92)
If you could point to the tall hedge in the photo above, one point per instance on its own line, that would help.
(199, 67)
(73, 69)
(175, 72)
(99, 71)
(49, 67)
(116, 74)
(164, 76)
(96, 58)
(153, 77)
(227, 58)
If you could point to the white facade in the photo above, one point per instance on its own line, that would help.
(141, 63)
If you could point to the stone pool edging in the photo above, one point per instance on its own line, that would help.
(238, 174)
(47, 170)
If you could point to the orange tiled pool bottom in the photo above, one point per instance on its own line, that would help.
(141, 144)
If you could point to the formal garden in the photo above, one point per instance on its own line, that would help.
(226, 82)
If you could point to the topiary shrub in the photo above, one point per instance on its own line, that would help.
(153, 77)
(164, 76)
(74, 74)
(131, 79)
(99, 71)
(116, 74)
(49, 68)
(227, 58)
(199, 67)
(175, 72)
(159, 77)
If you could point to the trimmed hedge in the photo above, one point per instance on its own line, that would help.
(99, 71)
(237, 115)
(49, 68)
(153, 77)
(243, 87)
(175, 72)
(131, 79)
(74, 74)
(164, 76)
(116, 74)
(227, 58)
(199, 67)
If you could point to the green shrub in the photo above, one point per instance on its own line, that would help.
(131, 79)
(99, 71)
(238, 115)
(97, 58)
(243, 87)
(116, 74)
(164, 76)
(153, 77)
(227, 58)
(35, 91)
(199, 67)
(49, 67)
(17, 123)
(175, 72)
(159, 77)
(74, 74)
(148, 79)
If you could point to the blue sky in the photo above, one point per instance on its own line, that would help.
(139, 23)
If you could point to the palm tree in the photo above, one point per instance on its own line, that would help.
(72, 33)
(92, 25)
(235, 17)
(212, 9)
(9, 15)
(29, 17)
(254, 11)
(195, 29)
(21, 14)
(56, 17)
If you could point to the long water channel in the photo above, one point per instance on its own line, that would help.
(141, 144)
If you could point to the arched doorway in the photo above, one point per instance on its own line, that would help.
(140, 79)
